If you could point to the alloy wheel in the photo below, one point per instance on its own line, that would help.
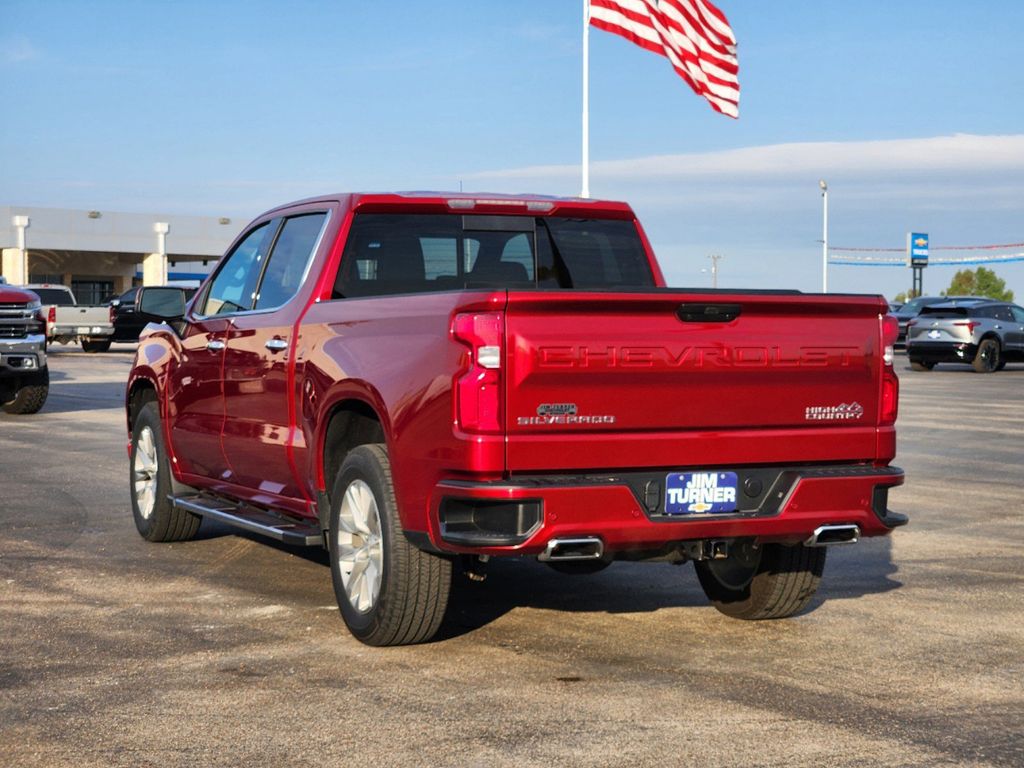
(144, 472)
(360, 548)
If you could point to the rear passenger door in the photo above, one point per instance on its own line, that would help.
(259, 364)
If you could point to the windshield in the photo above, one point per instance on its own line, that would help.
(411, 253)
(938, 313)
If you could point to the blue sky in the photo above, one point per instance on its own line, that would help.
(912, 111)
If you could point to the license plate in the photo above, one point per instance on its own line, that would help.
(82, 329)
(700, 493)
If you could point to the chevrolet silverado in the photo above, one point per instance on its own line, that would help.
(418, 381)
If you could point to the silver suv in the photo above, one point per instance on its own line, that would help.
(985, 333)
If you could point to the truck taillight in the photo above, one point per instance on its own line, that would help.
(890, 394)
(890, 332)
(890, 398)
(110, 314)
(51, 316)
(478, 385)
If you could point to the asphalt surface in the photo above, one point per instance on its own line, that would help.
(229, 651)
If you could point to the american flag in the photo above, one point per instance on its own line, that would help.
(692, 34)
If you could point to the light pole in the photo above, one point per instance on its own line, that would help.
(714, 269)
(824, 235)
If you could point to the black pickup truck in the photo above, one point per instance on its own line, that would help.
(128, 323)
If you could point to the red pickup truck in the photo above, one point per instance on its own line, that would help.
(416, 381)
(24, 377)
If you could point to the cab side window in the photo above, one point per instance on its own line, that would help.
(234, 287)
(287, 264)
(1018, 314)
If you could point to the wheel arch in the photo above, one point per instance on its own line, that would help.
(143, 390)
(350, 423)
(991, 335)
(140, 391)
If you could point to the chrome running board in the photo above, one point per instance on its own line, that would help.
(275, 525)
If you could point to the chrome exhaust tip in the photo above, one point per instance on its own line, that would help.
(826, 535)
(583, 548)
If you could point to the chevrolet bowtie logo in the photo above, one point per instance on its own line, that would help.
(921, 242)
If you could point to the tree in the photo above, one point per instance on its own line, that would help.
(981, 282)
(904, 297)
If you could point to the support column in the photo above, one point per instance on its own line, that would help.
(154, 269)
(14, 264)
(154, 265)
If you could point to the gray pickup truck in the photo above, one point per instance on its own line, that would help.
(24, 377)
(67, 321)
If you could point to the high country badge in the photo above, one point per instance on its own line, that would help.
(841, 412)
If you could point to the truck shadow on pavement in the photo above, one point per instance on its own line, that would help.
(624, 587)
(69, 397)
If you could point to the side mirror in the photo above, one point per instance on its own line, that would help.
(161, 303)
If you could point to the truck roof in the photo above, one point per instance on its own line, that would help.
(472, 202)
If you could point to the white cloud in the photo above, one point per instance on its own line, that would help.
(761, 206)
(957, 153)
(18, 50)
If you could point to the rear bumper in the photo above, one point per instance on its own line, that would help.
(942, 351)
(85, 329)
(626, 510)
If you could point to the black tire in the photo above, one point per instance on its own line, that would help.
(988, 356)
(156, 519)
(920, 365)
(95, 345)
(408, 601)
(771, 581)
(31, 395)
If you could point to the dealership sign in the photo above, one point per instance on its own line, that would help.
(917, 249)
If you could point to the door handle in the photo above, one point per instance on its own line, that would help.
(215, 346)
(276, 345)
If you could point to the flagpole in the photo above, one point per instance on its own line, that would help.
(586, 100)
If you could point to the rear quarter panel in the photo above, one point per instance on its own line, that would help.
(396, 355)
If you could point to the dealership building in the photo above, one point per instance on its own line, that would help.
(104, 253)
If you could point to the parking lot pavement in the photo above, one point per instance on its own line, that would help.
(229, 651)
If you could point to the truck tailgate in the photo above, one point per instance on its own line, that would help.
(83, 316)
(673, 378)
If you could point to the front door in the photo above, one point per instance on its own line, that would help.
(195, 399)
(196, 387)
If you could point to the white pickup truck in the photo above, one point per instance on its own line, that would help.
(66, 321)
